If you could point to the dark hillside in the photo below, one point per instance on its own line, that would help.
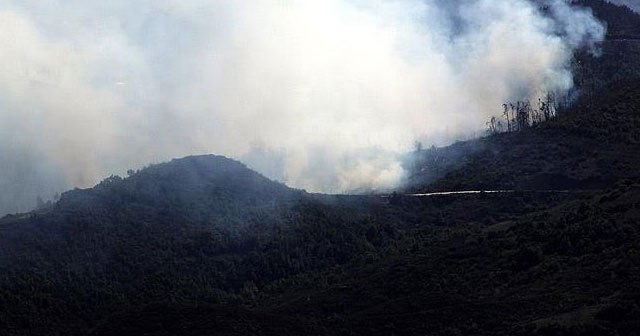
(170, 231)
(589, 147)
(619, 57)
(178, 235)
(604, 120)
(205, 246)
(570, 270)
(211, 182)
(177, 248)
(622, 22)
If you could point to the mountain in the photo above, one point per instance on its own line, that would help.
(133, 239)
(205, 246)
(522, 263)
(618, 57)
(200, 236)
(621, 20)
(631, 4)
(177, 248)
(572, 269)
(173, 230)
(591, 146)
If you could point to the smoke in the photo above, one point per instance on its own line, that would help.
(322, 95)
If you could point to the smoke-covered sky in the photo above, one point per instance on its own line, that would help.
(322, 95)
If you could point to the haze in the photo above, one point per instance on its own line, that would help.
(321, 95)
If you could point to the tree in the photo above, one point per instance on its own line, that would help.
(39, 203)
(494, 126)
(506, 115)
(417, 146)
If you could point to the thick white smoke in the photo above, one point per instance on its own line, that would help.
(322, 95)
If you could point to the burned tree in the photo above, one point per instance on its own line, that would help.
(522, 114)
(494, 126)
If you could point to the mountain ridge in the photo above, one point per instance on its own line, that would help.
(203, 245)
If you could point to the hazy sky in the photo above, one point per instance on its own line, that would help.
(322, 95)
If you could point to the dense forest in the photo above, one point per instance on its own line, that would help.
(205, 246)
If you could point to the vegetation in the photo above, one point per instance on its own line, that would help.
(589, 147)
(203, 245)
(184, 233)
(617, 59)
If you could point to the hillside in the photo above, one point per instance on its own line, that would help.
(618, 57)
(603, 120)
(622, 22)
(204, 231)
(176, 249)
(203, 245)
(155, 234)
(569, 270)
(487, 264)
(591, 146)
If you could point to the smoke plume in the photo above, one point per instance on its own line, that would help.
(321, 95)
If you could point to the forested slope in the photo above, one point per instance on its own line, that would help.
(205, 246)
(205, 232)
(591, 146)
